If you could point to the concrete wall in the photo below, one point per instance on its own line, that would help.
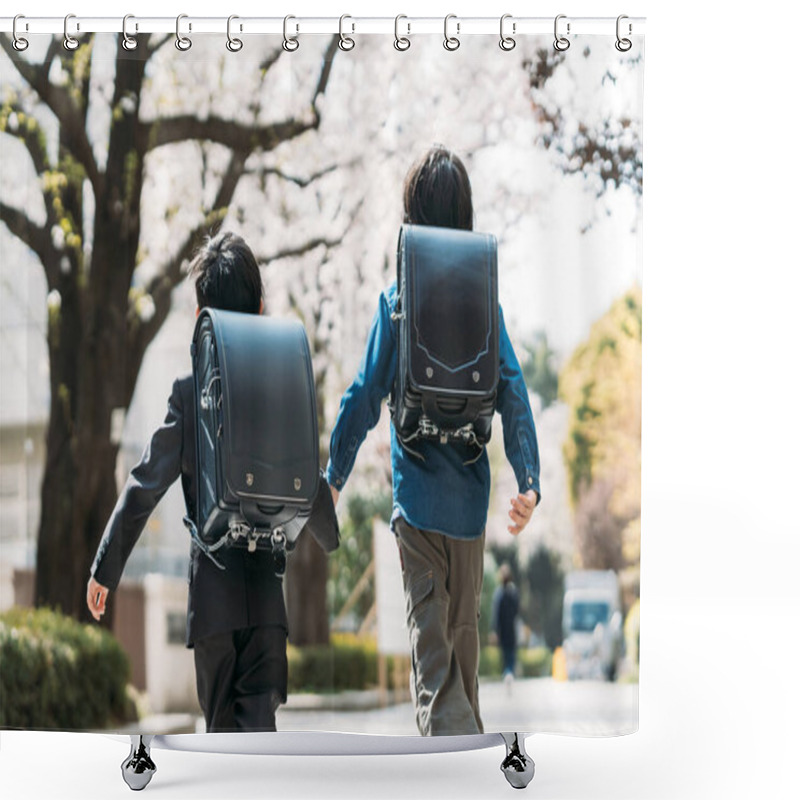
(21, 468)
(171, 684)
(128, 626)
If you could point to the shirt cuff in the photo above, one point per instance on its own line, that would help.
(334, 478)
(531, 481)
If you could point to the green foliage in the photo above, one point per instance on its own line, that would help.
(632, 632)
(491, 663)
(58, 673)
(541, 377)
(77, 65)
(533, 662)
(347, 564)
(348, 662)
(545, 581)
(15, 122)
(540, 583)
(602, 385)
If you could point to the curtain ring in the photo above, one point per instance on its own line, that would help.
(507, 42)
(451, 42)
(183, 43)
(19, 42)
(233, 44)
(561, 43)
(346, 42)
(128, 42)
(401, 43)
(623, 45)
(70, 42)
(290, 43)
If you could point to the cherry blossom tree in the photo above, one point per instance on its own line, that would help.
(109, 288)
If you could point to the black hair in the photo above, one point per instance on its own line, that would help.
(437, 191)
(226, 275)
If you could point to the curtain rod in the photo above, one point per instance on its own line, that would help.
(300, 25)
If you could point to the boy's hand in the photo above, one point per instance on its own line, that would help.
(521, 511)
(335, 496)
(96, 596)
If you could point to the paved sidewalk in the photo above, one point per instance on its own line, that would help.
(302, 705)
(588, 708)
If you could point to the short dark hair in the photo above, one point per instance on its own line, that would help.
(226, 275)
(437, 191)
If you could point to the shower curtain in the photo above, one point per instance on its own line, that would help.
(121, 155)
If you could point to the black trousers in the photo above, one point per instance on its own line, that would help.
(241, 678)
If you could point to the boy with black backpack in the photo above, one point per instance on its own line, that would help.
(236, 621)
(440, 475)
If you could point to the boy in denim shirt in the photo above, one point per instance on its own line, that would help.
(440, 503)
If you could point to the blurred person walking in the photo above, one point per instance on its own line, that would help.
(505, 608)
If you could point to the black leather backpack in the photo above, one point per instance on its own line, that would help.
(448, 317)
(259, 481)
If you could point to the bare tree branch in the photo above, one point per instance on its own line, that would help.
(141, 333)
(235, 135)
(52, 50)
(325, 73)
(296, 179)
(32, 74)
(31, 136)
(59, 101)
(301, 249)
(312, 244)
(153, 48)
(21, 226)
(270, 60)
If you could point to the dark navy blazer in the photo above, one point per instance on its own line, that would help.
(247, 593)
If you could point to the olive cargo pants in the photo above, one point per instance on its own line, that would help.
(442, 579)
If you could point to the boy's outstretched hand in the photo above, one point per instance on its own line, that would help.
(521, 511)
(96, 596)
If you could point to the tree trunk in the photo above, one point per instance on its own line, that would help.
(78, 490)
(78, 494)
(89, 362)
(87, 382)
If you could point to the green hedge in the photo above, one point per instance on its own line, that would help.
(58, 673)
(348, 662)
(351, 662)
(534, 662)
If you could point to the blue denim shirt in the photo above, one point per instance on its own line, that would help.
(439, 493)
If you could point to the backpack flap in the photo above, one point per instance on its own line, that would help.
(452, 305)
(448, 361)
(256, 432)
(270, 445)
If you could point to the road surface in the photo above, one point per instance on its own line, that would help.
(590, 708)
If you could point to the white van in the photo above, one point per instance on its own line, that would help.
(592, 625)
